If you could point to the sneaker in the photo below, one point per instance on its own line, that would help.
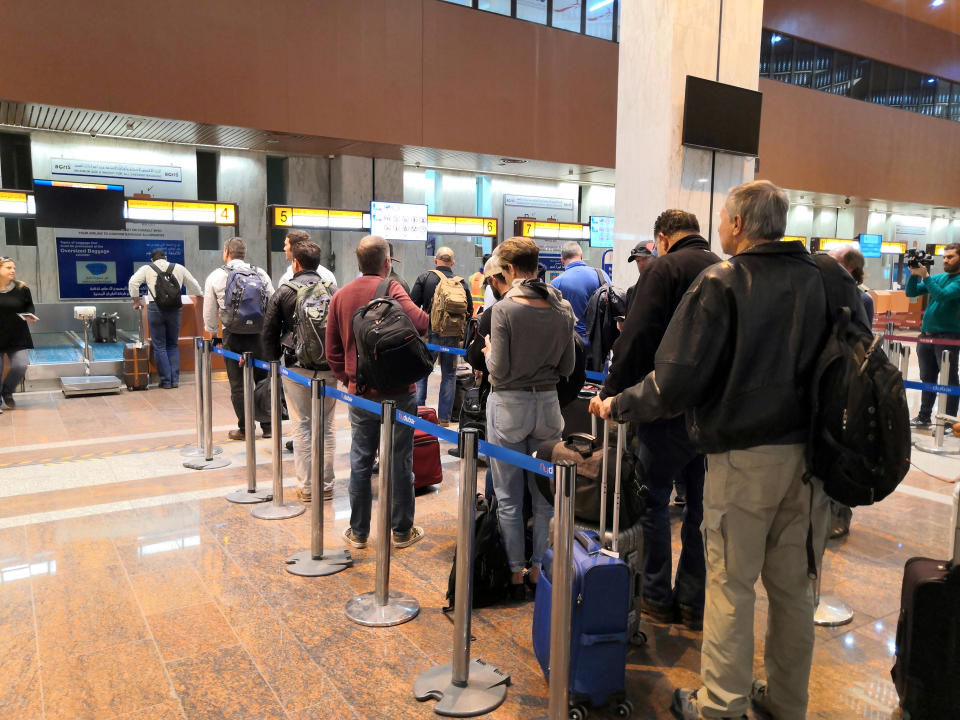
(328, 493)
(920, 422)
(237, 435)
(9, 401)
(685, 707)
(415, 534)
(760, 701)
(353, 540)
(680, 500)
(658, 612)
(303, 497)
(289, 446)
(443, 423)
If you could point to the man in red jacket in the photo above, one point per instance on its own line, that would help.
(373, 259)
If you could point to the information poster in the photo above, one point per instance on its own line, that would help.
(398, 221)
(93, 268)
(601, 231)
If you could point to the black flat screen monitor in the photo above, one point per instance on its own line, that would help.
(721, 117)
(72, 206)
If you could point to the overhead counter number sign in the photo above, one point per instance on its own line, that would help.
(181, 211)
(226, 213)
(16, 203)
(528, 228)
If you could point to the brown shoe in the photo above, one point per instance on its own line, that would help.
(303, 497)
(657, 612)
(237, 435)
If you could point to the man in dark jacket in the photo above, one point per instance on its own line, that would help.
(737, 361)
(279, 341)
(664, 449)
(422, 295)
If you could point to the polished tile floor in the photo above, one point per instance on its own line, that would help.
(130, 589)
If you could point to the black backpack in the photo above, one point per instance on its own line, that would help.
(166, 292)
(859, 442)
(491, 571)
(390, 352)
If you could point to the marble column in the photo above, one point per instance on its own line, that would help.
(661, 42)
(307, 182)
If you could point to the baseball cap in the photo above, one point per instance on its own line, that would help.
(492, 266)
(642, 249)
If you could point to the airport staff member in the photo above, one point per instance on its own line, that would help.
(15, 339)
(940, 320)
(164, 323)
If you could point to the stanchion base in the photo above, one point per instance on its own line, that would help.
(305, 565)
(832, 612)
(400, 608)
(923, 447)
(245, 497)
(203, 464)
(278, 512)
(194, 451)
(485, 691)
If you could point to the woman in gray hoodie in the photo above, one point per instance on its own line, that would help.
(530, 347)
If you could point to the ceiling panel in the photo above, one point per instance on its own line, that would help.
(946, 16)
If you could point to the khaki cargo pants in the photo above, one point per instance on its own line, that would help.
(756, 511)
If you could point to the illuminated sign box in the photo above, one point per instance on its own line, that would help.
(870, 244)
(180, 211)
(794, 238)
(546, 229)
(346, 220)
(893, 248)
(441, 224)
(16, 203)
(571, 231)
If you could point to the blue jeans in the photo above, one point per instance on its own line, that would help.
(19, 359)
(666, 453)
(365, 440)
(448, 378)
(521, 420)
(165, 334)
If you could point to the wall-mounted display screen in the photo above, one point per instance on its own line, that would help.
(601, 231)
(870, 245)
(717, 116)
(79, 205)
(398, 221)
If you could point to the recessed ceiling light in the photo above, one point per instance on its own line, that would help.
(936, 3)
(703, 180)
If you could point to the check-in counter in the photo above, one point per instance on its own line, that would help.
(191, 325)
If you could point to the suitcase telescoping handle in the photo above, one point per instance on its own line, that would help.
(587, 541)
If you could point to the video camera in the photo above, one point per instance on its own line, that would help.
(916, 258)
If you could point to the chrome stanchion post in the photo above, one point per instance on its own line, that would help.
(905, 361)
(937, 447)
(464, 688)
(382, 607)
(278, 509)
(316, 562)
(197, 450)
(830, 611)
(251, 494)
(561, 599)
(604, 443)
(207, 462)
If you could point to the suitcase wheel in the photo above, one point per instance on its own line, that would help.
(624, 709)
(578, 712)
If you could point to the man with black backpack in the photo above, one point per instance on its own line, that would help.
(294, 331)
(447, 299)
(739, 359)
(235, 295)
(164, 281)
(374, 348)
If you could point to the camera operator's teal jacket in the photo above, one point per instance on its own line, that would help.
(943, 312)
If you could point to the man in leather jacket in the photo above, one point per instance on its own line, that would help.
(664, 448)
(736, 360)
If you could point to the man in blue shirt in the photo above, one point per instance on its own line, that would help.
(577, 283)
(941, 319)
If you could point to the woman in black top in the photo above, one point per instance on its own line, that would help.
(15, 340)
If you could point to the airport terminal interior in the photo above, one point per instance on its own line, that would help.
(131, 588)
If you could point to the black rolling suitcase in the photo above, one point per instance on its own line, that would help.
(927, 668)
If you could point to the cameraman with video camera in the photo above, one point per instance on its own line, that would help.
(940, 320)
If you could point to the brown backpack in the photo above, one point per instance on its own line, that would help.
(448, 314)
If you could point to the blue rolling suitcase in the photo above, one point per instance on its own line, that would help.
(598, 630)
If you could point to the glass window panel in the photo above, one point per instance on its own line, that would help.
(928, 90)
(782, 57)
(860, 82)
(502, 7)
(566, 15)
(955, 102)
(943, 91)
(913, 82)
(467, 3)
(765, 53)
(600, 18)
(878, 83)
(822, 65)
(803, 63)
(895, 77)
(532, 10)
(841, 74)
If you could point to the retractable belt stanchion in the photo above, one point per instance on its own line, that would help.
(904, 361)
(316, 562)
(208, 462)
(278, 509)
(464, 688)
(830, 611)
(382, 607)
(251, 494)
(937, 447)
(198, 449)
(561, 600)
